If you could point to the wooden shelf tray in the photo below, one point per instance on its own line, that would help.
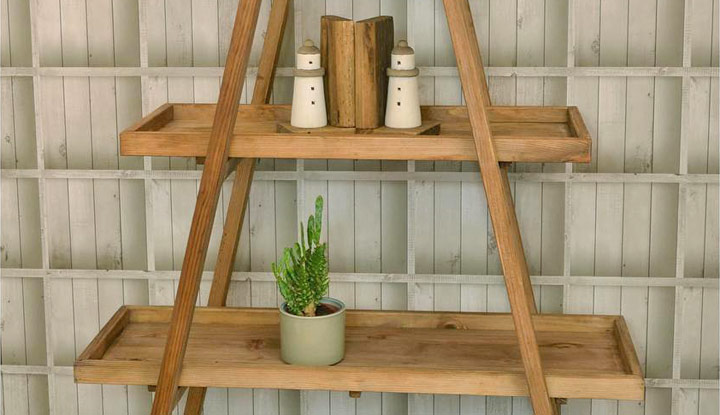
(412, 352)
(520, 134)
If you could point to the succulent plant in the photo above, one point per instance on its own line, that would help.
(302, 272)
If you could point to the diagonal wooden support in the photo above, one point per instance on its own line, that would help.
(271, 51)
(499, 199)
(244, 170)
(226, 258)
(269, 56)
(206, 205)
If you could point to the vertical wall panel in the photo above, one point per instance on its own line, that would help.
(699, 343)
(553, 194)
(636, 198)
(421, 35)
(393, 239)
(664, 203)
(530, 48)
(23, 336)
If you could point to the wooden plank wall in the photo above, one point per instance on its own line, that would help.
(635, 232)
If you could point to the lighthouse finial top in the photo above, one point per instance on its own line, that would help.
(402, 48)
(308, 48)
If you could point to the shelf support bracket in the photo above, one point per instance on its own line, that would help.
(244, 169)
(499, 199)
(206, 206)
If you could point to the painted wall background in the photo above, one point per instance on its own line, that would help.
(635, 232)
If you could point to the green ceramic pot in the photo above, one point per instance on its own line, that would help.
(313, 341)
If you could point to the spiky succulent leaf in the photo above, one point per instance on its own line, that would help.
(302, 272)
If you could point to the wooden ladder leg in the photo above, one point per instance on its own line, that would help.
(499, 198)
(515, 227)
(243, 179)
(226, 258)
(271, 51)
(206, 205)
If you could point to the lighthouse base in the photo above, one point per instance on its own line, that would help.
(426, 128)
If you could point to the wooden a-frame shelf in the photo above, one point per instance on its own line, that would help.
(523, 353)
(520, 134)
(584, 356)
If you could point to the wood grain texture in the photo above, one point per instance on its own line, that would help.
(287, 128)
(500, 204)
(244, 169)
(626, 347)
(529, 134)
(109, 332)
(360, 147)
(374, 41)
(337, 46)
(576, 123)
(206, 205)
(231, 232)
(161, 116)
(428, 127)
(226, 257)
(445, 113)
(398, 351)
(271, 51)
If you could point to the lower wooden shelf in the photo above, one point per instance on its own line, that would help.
(389, 351)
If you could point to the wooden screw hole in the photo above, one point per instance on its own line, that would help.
(453, 325)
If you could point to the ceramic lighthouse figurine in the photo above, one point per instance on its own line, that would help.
(308, 104)
(403, 105)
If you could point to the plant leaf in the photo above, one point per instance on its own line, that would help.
(302, 272)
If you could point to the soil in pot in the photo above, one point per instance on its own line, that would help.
(326, 309)
(322, 310)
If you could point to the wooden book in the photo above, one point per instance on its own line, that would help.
(373, 46)
(337, 47)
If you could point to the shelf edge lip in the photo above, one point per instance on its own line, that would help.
(609, 318)
(465, 382)
(450, 147)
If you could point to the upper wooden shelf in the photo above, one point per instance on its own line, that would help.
(520, 134)
(386, 351)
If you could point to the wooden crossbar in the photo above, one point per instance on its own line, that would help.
(494, 176)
